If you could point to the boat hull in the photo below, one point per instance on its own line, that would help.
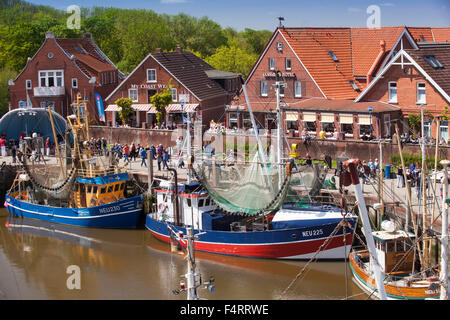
(416, 291)
(296, 243)
(120, 214)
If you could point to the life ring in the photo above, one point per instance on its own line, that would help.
(162, 207)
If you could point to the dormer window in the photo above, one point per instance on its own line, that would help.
(353, 84)
(434, 62)
(333, 56)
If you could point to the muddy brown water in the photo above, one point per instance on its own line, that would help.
(37, 259)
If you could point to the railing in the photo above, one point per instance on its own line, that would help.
(48, 91)
(86, 173)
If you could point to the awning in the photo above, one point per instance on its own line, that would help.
(327, 118)
(346, 119)
(113, 107)
(176, 108)
(291, 116)
(136, 107)
(364, 119)
(309, 117)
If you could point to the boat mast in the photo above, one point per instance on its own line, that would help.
(424, 194)
(443, 275)
(436, 154)
(351, 165)
(56, 141)
(381, 185)
(278, 85)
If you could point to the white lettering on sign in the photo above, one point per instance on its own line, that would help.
(109, 209)
(284, 74)
(311, 233)
(148, 86)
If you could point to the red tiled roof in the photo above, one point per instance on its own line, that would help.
(366, 46)
(421, 34)
(312, 46)
(441, 34)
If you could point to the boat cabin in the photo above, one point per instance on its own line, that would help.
(91, 192)
(391, 248)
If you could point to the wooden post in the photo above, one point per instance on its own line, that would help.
(408, 190)
(436, 155)
(150, 172)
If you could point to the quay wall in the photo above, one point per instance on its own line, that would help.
(317, 149)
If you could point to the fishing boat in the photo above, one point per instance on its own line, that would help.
(239, 209)
(82, 190)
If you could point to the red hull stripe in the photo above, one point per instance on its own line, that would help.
(278, 250)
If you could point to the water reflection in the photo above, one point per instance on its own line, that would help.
(131, 264)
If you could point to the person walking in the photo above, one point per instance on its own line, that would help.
(159, 155)
(400, 178)
(126, 153)
(133, 152)
(3, 146)
(143, 157)
(165, 158)
(47, 147)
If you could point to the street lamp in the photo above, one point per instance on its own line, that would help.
(370, 118)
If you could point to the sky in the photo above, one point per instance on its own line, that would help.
(262, 14)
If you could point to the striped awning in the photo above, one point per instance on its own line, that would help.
(136, 107)
(177, 108)
(113, 107)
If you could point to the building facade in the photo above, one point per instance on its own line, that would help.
(196, 88)
(61, 69)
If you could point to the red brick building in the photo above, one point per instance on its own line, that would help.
(199, 86)
(325, 70)
(59, 70)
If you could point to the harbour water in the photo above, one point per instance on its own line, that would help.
(36, 260)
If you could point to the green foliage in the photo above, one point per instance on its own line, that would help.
(160, 101)
(414, 158)
(414, 123)
(5, 75)
(127, 111)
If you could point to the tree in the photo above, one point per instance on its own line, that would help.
(126, 111)
(160, 101)
(414, 122)
(5, 75)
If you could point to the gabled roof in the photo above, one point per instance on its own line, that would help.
(189, 70)
(313, 47)
(441, 34)
(186, 68)
(439, 78)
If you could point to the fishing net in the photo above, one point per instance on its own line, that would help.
(245, 185)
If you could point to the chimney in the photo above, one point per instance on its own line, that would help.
(158, 50)
(376, 62)
(49, 35)
(179, 49)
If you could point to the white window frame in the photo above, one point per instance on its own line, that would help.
(297, 93)
(54, 76)
(283, 90)
(264, 93)
(76, 83)
(288, 68)
(271, 63)
(424, 101)
(390, 97)
(131, 96)
(28, 84)
(174, 92)
(148, 79)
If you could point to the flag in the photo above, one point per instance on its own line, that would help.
(101, 111)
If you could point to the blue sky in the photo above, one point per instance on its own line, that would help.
(262, 14)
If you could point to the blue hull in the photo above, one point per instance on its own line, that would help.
(120, 214)
(295, 243)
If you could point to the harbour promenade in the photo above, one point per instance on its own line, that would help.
(394, 198)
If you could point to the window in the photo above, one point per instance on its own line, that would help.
(207, 202)
(298, 89)
(387, 125)
(43, 105)
(421, 97)
(200, 202)
(392, 88)
(133, 94)
(232, 120)
(353, 84)
(51, 78)
(282, 91)
(103, 190)
(434, 62)
(443, 130)
(427, 128)
(94, 191)
(246, 121)
(110, 189)
(271, 63)
(333, 56)
(116, 187)
(74, 83)
(174, 95)
(151, 75)
(122, 186)
(264, 91)
(288, 64)
(28, 84)
(291, 120)
(89, 189)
